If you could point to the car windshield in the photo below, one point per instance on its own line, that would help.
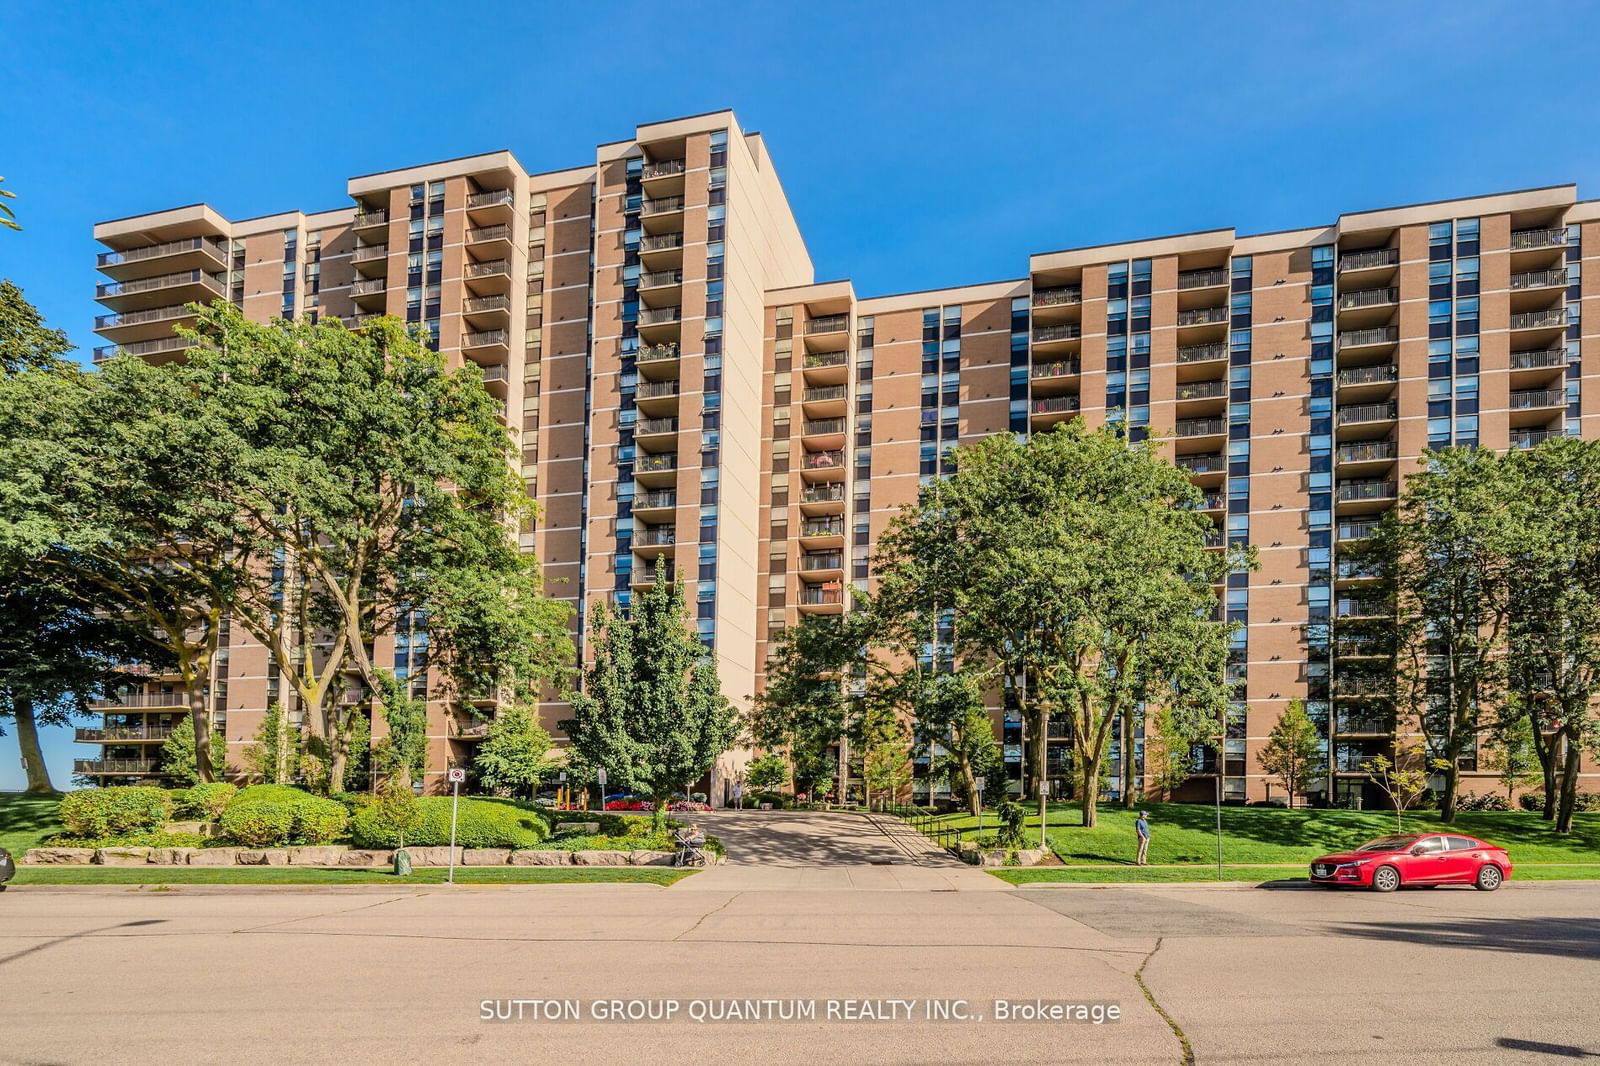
(1386, 844)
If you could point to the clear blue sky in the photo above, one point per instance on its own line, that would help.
(921, 145)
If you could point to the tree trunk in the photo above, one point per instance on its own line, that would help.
(1091, 790)
(970, 781)
(198, 713)
(1569, 787)
(1127, 758)
(1544, 750)
(1452, 789)
(337, 758)
(28, 741)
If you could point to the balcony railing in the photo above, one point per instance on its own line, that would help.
(1202, 279)
(484, 338)
(1057, 297)
(1368, 451)
(1356, 413)
(657, 316)
(660, 242)
(1051, 405)
(158, 251)
(656, 353)
(1376, 257)
(652, 389)
(1362, 724)
(487, 268)
(1538, 279)
(1368, 298)
(1541, 359)
(364, 219)
(114, 766)
(368, 287)
(1200, 427)
(822, 527)
(655, 426)
(821, 393)
(657, 499)
(1356, 338)
(1555, 316)
(824, 426)
(664, 168)
(1532, 438)
(1211, 500)
(655, 279)
(134, 318)
(832, 459)
(1357, 528)
(1523, 399)
(1201, 464)
(655, 537)
(1356, 607)
(478, 304)
(480, 234)
(115, 734)
(1202, 353)
(1366, 490)
(1060, 368)
(661, 205)
(822, 561)
(1362, 686)
(366, 252)
(827, 324)
(816, 360)
(1382, 374)
(1202, 316)
(645, 464)
(1357, 569)
(142, 348)
(1046, 334)
(491, 198)
(1202, 390)
(822, 494)
(1524, 239)
(213, 282)
(815, 596)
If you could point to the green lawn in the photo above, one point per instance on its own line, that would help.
(26, 820)
(1166, 874)
(311, 875)
(1182, 833)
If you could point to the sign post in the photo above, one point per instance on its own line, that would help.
(456, 775)
(600, 776)
(562, 800)
(1044, 810)
(978, 781)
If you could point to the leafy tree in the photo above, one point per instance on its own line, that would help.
(404, 751)
(398, 808)
(651, 710)
(1445, 558)
(358, 765)
(766, 773)
(804, 708)
(952, 724)
(512, 758)
(178, 763)
(1168, 752)
(1404, 779)
(1512, 755)
(274, 757)
(885, 754)
(1293, 752)
(1076, 565)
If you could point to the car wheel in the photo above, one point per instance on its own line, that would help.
(1385, 879)
(1489, 877)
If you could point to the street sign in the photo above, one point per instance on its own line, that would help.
(455, 775)
(978, 781)
(600, 776)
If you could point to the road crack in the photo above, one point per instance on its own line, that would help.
(1177, 1031)
(701, 920)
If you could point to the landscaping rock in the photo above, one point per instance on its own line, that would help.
(264, 857)
(600, 858)
(366, 857)
(213, 857)
(317, 856)
(170, 856)
(196, 828)
(58, 857)
(122, 856)
(541, 857)
(581, 828)
(486, 857)
(652, 858)
(436, 856)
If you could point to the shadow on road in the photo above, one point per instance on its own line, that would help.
(1572, 938)
(13, 957)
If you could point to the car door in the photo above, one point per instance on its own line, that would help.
(1463, 856)
(1424, 864)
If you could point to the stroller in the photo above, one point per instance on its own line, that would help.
(691, 843)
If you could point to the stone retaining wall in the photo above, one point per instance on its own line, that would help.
(338, 855)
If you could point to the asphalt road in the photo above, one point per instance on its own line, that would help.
(114, 975)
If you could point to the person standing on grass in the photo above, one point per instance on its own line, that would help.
(1141, 828)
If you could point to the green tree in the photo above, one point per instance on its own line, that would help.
(404, 751)
(885, 755)
(1293, 752)
(1077, 566)
(651, 711)
(767, 773)
(398, 807)
(274, 757)
(1512, 755)
(1444, 554)
(358, 764)
(1404, 779)
(1168, 752)
(513, 757)
(177, 761)
(804, 707)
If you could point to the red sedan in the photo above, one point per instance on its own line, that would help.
(1385, 864)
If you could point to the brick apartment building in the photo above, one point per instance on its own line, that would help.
(680, 385)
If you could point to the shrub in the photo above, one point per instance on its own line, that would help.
(273, 815)
(115, 811)
(205, 801)
(481, 823)
(1489, 801)
(1011, 815)
(130, 840)
(1531, 801)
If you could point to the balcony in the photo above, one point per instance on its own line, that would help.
(1058, 334)
(1208, 278)
(1523, 439)
(1201, 427)
(1212, 500)
(1368, 451)
(489, 276)
(1366, 338)
(828, 594)
(1058, 368)
(1373, 259)
(1553, 318)
(369, 287)
(498, 376)
(190, 253)
(1358, 607)
(657, 397)
(1059, 406)
(657, 470)
(823, 393)
(660, 279)
(1538, 279)
(1362, 726)
(1362, 686)
(1203, 316)
(827, 324)
(663, 168)
(150, 324)
(655, 427)
(1532, 239)
(96, 767)
(1540, 359)
(658, 500)
(487, 340)
(824, 427)
(812, 562)
(143, 349)
(488, 235)
(822, 528)
(660, 316)
(823, 494)
(1202, 353)
(366, 220)
(826, 465)
(1060, 296)
(184, 286)
(366, 253)
(1212, 463)
(1202, 390)
(491, 202)
(661, 205)
(655, 537)
(1380, 297)
(1381, 374)
(651, 243)
(495, 306)
(1366, 413)
(1366, 490)
(1525, 399)
(123, 734)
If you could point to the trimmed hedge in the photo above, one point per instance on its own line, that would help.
(264, 816)
(115, 811)
(205, 801)
(480, 823)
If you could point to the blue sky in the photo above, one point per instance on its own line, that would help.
(921, 145)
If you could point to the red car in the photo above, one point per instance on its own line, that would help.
(1385, 864)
